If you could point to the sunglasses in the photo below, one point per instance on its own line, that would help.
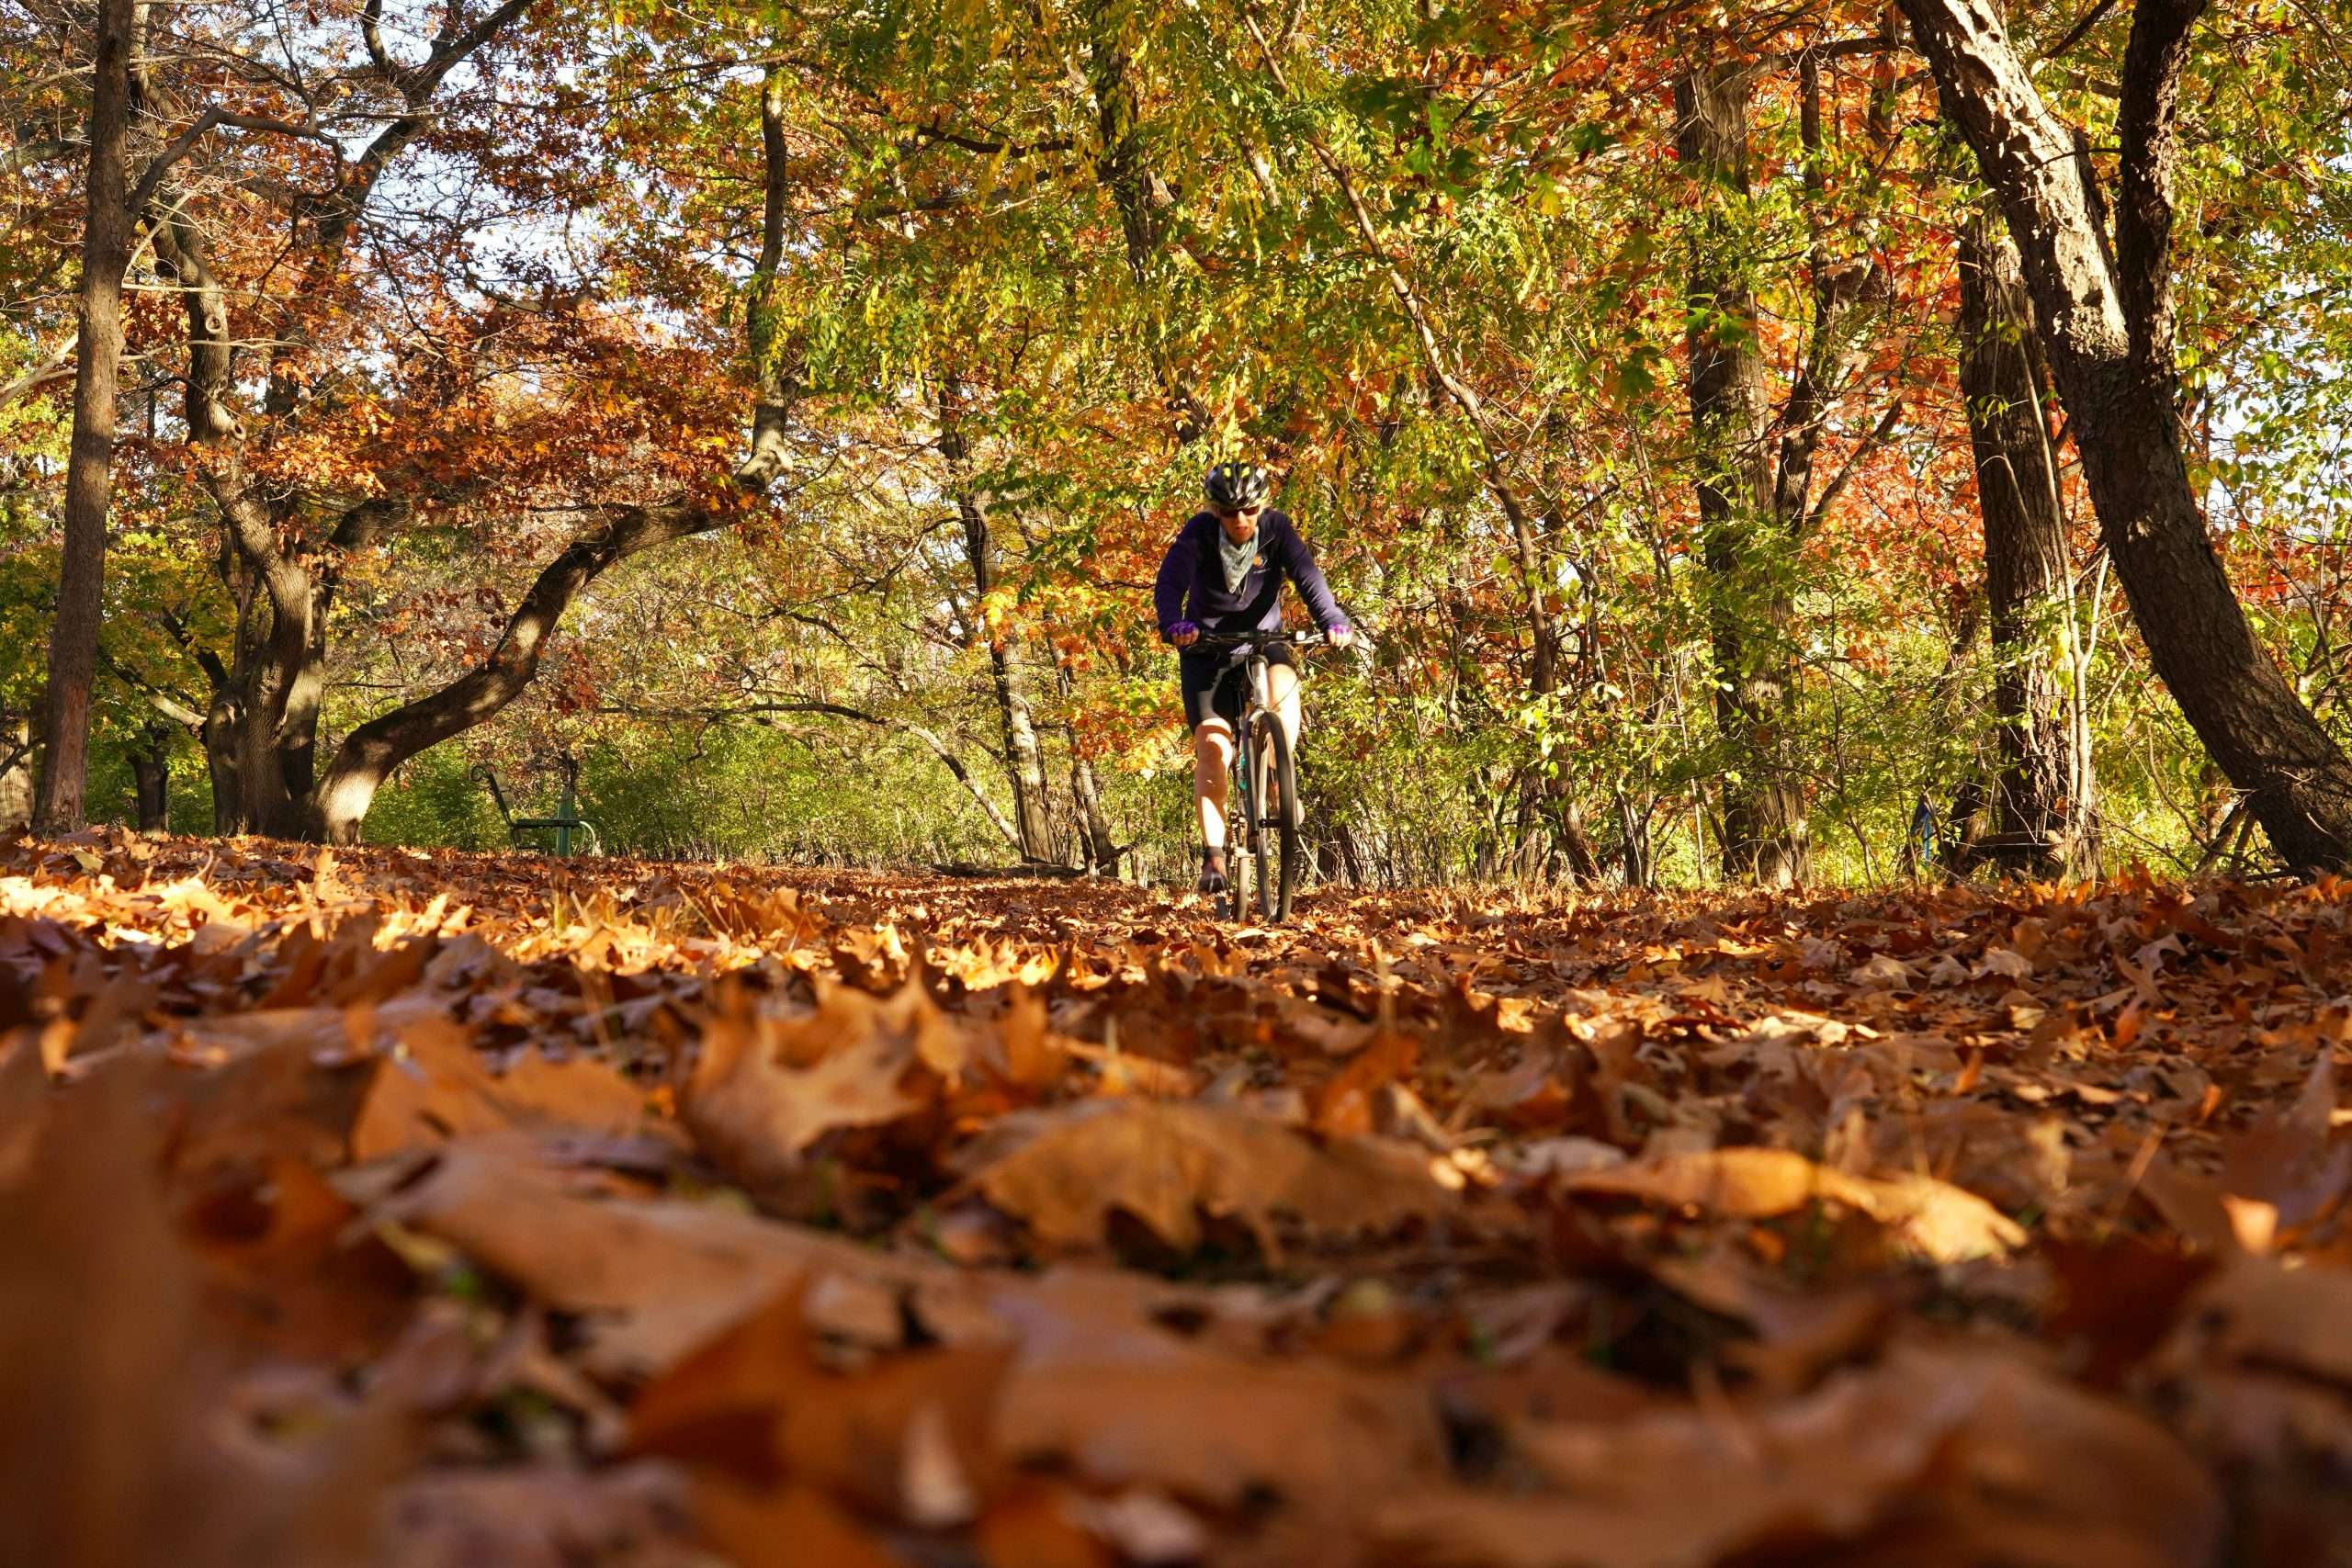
(1243, 512)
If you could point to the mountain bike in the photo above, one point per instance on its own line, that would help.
(1262, 812)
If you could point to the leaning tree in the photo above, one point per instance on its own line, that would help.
(2103, 303)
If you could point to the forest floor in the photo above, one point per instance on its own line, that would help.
(378, 1206)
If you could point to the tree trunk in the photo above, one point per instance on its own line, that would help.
(1750, 608)
(89, 473)
(1024, 758)
(222, 722)
(16, 779)
(262, 726)
(1638, 857)
(2105, 316)
(150, 773)
(296, 737)
(1101, 844)
(275, 591)
(1142, 201)
(1575, 843)
(2028, 566)
(774, 358)
(370, 753)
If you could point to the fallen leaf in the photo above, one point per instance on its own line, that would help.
(435, 1086)
(538, 1516)
(1883, 972)
(1066, 1172)
(651, 1279)
(1923, 1450)
(2287, 1170)
(796, 1526)
(119, 1444)
(2004, 962)
(1935, 1218)
(763, 1090)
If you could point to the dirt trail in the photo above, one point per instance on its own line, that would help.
(380, 1206)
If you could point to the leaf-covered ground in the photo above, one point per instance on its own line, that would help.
(375, 1206)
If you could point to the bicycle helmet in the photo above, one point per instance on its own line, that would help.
(1232, 485)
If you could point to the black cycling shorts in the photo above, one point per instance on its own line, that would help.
(1212, 683)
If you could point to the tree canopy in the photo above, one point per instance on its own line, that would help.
(782, 409)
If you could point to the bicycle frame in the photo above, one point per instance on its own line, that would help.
(1248, 816)
(1256, 679)
(1257, 682)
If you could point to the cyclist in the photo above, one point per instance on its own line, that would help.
(1222, 577)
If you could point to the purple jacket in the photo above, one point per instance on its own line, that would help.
(1192, 579)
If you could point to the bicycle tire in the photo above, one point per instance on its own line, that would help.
(1280, 815)
(1240, 841)
(1255, 841)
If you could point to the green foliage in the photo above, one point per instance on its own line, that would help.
(1115, 241)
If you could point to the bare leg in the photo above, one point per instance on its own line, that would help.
(1282, 682)
(1212, 755)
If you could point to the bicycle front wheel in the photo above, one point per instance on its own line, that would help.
(1276, 804)
(1240, 845)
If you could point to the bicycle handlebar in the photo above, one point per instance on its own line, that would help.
(1232, 641)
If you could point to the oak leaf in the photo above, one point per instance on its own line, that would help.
(1943, 1223)
(1930, 1458)
(765, 1088)
(1065, 1172)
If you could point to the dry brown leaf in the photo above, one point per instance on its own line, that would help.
(1742, 1183)
(2004, 961)
(1810, 1474)
(1798, 1335)
(1343, 1107)
(283, 1268)
(1033, 1058)
(765, 1088)
(798, 1527)
(552, 1515)
(1940, 1221)
(120, 1443)
(435, 1086)
(904, 1438)
(1922, 1446)
(1883, 972)
(2287, 1170)
(1216, 1430)
(2256, 1314)
(652, 1279)
(1066, 1172)
(1040, 1527)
